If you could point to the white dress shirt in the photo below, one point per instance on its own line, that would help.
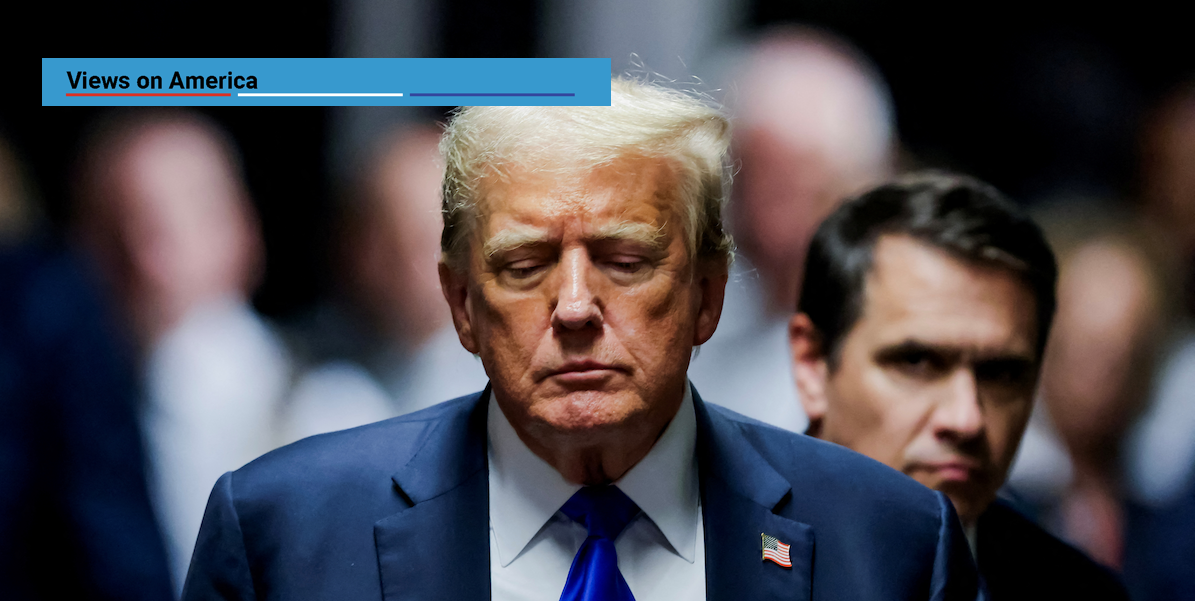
(661, 553)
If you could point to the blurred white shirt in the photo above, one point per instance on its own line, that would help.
(1160, 448)
(214, 386)
(343, 394)
(747, 365)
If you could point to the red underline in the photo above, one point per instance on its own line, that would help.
(226, 94)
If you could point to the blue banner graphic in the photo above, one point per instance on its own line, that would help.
(325, 81)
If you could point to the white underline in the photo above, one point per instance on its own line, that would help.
(314, 94)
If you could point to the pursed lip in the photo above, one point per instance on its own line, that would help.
(584, 368)
(956, 470)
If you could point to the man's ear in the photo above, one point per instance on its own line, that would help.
(810, 369)
(711, 285)
(455, 286)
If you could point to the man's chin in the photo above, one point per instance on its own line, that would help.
(579, 411)
(968, 502)
(969, 494)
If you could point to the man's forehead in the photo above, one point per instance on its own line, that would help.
(916, 292)
(630, 190)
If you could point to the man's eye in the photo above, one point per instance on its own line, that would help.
(523, 269)
(1003, 372)
(919, 363)
(626, 264)
(917, 360)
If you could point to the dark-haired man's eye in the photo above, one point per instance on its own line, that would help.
(917, 363)
(1007, 372)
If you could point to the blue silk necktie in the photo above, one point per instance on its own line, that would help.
(605, 511)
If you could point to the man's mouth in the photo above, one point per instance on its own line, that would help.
(951, 470)
(584, 370)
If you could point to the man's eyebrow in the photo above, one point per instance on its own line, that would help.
(915, 346)
(649, 235)
(951, 352)
(525, 235)
(512, 238)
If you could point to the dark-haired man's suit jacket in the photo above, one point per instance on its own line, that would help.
(1020, 561)
(399, 510)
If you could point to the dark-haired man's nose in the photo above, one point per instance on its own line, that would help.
(959, 415)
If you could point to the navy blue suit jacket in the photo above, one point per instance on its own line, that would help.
(399, 510)
(1021, 562)
(1160, 549)
(75, 516)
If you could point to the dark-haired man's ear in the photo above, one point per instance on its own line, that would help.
(810, 370)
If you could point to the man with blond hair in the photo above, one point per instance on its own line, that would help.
(583, 259)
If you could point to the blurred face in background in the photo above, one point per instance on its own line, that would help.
(16, 211)
(812, 125)
(584, 305)
(936, 378)
(167, 216)
(1096, 372)
(1168, 177)
(392, 242)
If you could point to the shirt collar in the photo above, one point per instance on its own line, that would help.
(526, 492)
(972, 533)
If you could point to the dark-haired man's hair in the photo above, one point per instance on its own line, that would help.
(963, 216)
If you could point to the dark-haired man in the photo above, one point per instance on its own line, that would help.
(922, 320)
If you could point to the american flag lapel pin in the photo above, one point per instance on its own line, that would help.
(775, 551)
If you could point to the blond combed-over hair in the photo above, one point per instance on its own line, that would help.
(643, 120)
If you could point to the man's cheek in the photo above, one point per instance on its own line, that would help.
(659, 303)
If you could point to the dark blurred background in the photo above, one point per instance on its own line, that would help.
(1040, 99)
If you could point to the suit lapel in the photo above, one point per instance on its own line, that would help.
(740, 495)
(438, 547)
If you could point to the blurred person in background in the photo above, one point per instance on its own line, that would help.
(1160, 450)
(386, 346)
(18, 215)
(1162, 447)
(164, 211)
(1115, 307)
(813, 122)
(75, 516)
(925, 310)
(1168, 169)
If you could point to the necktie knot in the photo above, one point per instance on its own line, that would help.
(604, 510)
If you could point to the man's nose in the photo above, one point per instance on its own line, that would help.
(577, 306)
(959, 414)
